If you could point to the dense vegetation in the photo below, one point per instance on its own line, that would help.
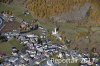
(47, 8)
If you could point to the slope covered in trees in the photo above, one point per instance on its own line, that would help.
(47, 8)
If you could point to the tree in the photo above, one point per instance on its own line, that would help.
(39, 41)
(3, 38)
(1, 60)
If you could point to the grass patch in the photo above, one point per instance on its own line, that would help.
(17, 11)
(4, 7)
(6, 47)
(73, 64)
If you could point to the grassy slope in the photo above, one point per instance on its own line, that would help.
(17, 10)
(6, 47)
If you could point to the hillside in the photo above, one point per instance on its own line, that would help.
(48, 8)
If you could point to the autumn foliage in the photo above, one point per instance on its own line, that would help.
(47, 8)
